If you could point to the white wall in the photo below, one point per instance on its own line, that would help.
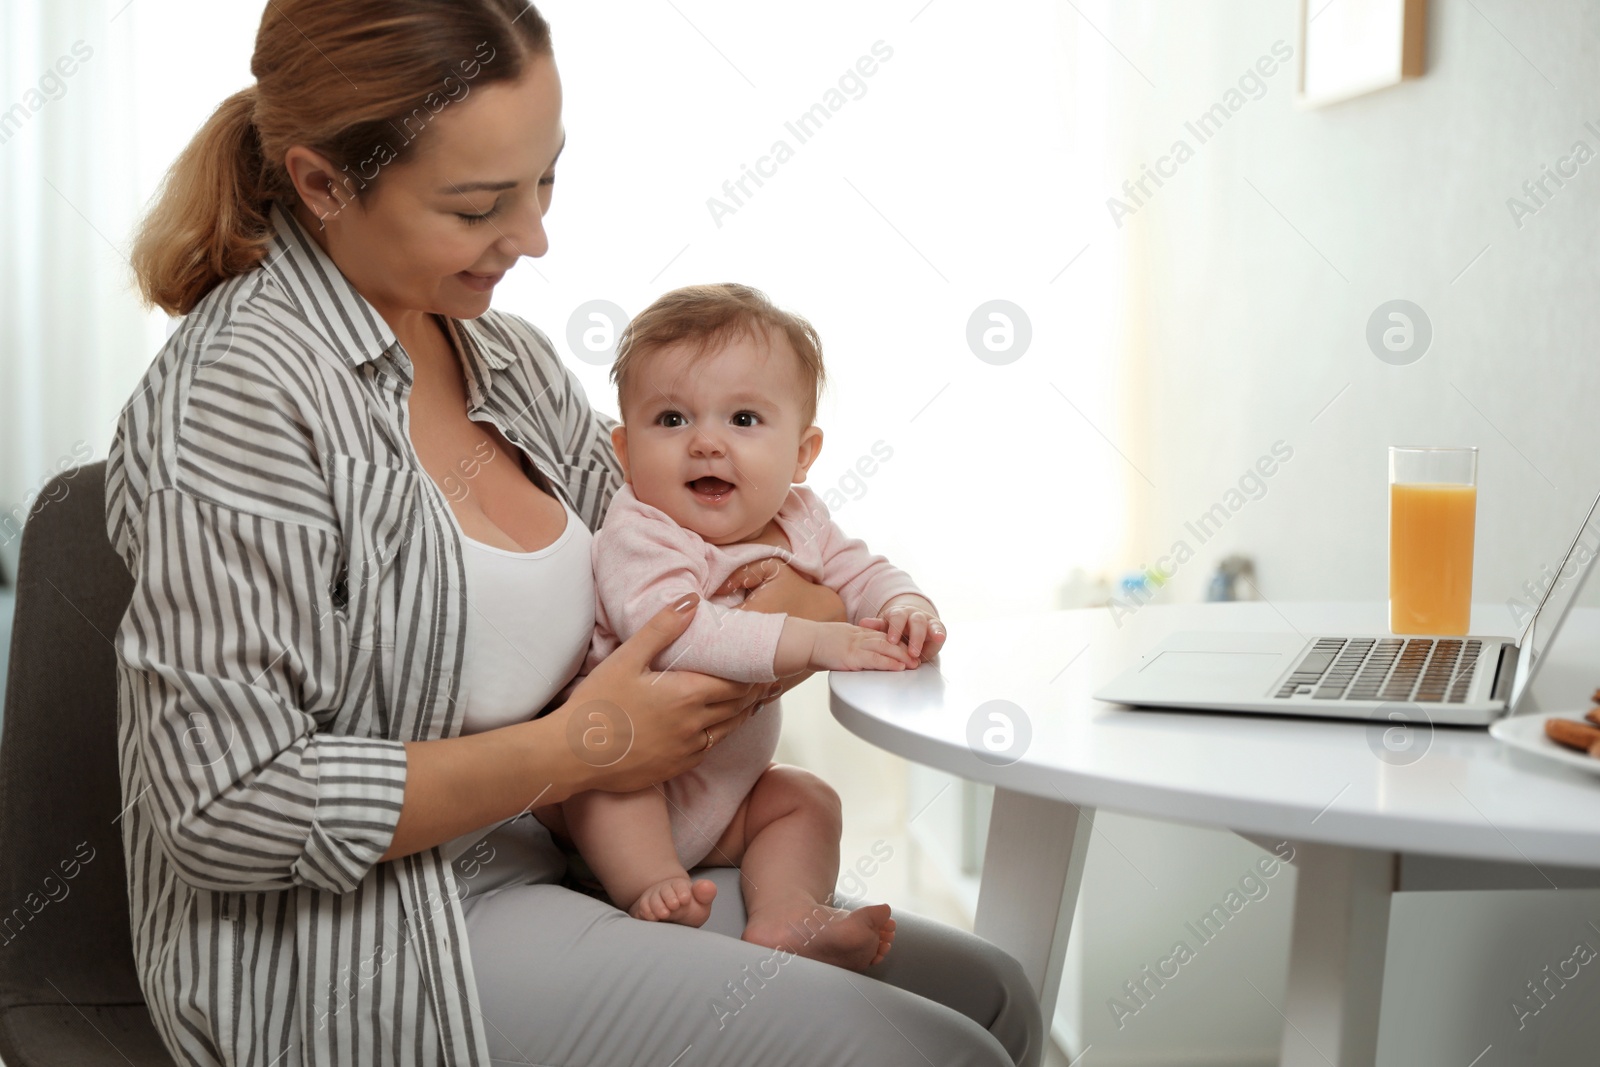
(1254, 270)
(1259, 263)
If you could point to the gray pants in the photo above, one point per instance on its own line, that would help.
(568, 980)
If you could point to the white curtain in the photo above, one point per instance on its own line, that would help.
(96, 98)
(65, 197)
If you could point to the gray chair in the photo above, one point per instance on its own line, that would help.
(69, 994)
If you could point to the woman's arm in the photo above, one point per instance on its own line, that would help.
(455, 785)
(657, 721)
(777, 587)
(227, 659)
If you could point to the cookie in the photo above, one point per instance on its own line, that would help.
(1576, 735)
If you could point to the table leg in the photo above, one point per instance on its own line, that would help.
(1032, 867)
(1336, 955)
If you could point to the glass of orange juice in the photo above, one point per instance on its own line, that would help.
(1433, 508)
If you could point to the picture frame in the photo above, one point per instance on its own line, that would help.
(1349, 48)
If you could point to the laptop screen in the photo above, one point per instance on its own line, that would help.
(1561, 589)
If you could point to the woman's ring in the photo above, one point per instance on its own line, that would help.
(709, 742)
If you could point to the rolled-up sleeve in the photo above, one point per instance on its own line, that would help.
(231, 650)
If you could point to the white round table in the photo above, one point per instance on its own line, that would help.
(1368, 811)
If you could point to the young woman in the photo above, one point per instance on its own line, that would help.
(357, 503)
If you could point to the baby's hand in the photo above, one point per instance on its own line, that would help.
(838, 646)
(911, 618)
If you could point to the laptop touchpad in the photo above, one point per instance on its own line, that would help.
(1212, 666)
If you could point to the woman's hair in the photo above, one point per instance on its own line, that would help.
(355, 80)
(712, 316)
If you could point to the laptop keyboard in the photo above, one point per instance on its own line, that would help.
(1425, 670)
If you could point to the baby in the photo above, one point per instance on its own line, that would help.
(718, 391)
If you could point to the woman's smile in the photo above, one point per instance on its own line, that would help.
(482, 283)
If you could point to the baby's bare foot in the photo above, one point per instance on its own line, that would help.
(854, 940)
(676, 900)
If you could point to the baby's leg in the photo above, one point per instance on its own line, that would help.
(626, 840)
(787, 831)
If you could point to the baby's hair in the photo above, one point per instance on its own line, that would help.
(713, 316)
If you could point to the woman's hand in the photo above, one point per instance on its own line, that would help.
(777, 588)
(623, 727)
(912, 618)
(633, 726)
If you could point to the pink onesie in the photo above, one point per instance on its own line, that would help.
(643, 561)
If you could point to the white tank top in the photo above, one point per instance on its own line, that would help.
(530, 617)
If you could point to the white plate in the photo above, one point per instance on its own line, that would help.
(1526, 732)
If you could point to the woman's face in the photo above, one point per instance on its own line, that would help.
(435, 233)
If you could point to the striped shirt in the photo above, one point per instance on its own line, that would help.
(299, 611)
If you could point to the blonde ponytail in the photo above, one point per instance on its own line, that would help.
(209, 221)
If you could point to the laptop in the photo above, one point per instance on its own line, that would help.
(1465, 681)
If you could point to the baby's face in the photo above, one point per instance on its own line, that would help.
(717, 443)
